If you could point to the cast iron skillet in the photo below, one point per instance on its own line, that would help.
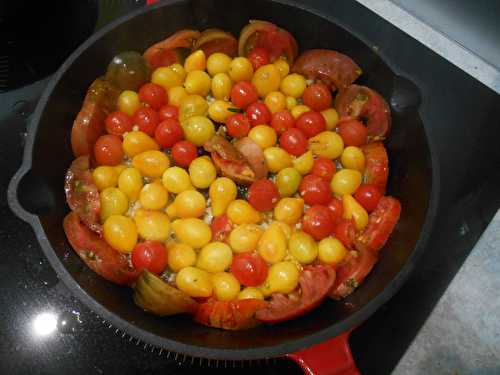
(36, 191)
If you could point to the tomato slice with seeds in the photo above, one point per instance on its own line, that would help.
(211, 41)
(221, 226)
(231, 315)
(172, 49)
(376, 165)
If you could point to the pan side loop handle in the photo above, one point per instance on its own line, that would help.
(12, 196)
(332, 357)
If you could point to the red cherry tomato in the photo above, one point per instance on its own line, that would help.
(263, 195)
(221, 227)
(150, 255)
(324, 168)
(258, 57)
(315, 190)
(237, 125)
(108, 150)
(184, 152)
(368, 196)
(311, 123)
(153, 94)
(318, 97)
(118, 123)
(345, 231)
(249, 269)
(294, 141)
(282, 121)
(258, 114)
(353, 132)
(318, 222)
(336, 208)
(146, 119)
(243, 94)
(168, 111)
(168, 133)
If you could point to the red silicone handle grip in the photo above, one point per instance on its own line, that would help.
(150, 2)
(332, 357)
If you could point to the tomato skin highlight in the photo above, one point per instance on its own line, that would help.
(324, 168)
(336, 208)
(147, 120)
(294, 141)
(243, 94)
(311, 123)
(317, 97)
(108, 150)
(258, 57)
(258, 114)
(315, 190)
(318, 222)
(249, 269)
(118, 123)
(263, 195)
(368, 196)
(282, 121)
(168, 133)
(150, 255)
(168, 112)
(152, 94)
(184, 152)
(221, 226)
(238, 125)
(353, 132)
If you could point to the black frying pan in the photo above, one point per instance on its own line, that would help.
(36, 191)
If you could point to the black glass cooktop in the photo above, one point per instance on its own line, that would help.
(45, 330)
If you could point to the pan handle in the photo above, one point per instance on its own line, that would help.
(12, 196)
(332, 357)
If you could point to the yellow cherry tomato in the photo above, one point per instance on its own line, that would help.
(195, 61)
(288, 181)
(180, 256)
(283, 277)
(299, 109)
(130, 182)
(327, 144)
(151, 163)
(153, 196)
(251, 293)
(190, 203)
(176, 180)
(119, 169)
(218, 63)
(304, 163)
(194, 282)
(275, 101)
(167, 77)
(221, 86)
(152, 225)
(272, 244)
(293, 85)
(128, 102)
(240, 69)
(331, 118)
(113, 202)
(120, 233)
(245, 237)
(264, 135)
(283, 67)
(226, 286)
(242, 212)
(193, 232)
(176, 94)
(353, 158)
(222, 192)
(198, 83)
(266, 79)
(303, 247)
(179, 70)
(331, 251)
(218, 111)
(202, 172)
(104, 177)
(289, 210)
(353, 210)
(198, 129)
(291, 103)
(136, 142)
(285, 228)
(215, 257)
(192, 105)
(345, 181)
(277, 159)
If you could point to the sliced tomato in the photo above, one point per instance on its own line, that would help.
(216, 40)
(252, 152)
(262, 34)
(376, 165)
(368, 106)
(315, 282)
(96, 253)
(333, 68)
(231, 315)
(221, 227)
(82, 194)
(381, 223)
(171, 49)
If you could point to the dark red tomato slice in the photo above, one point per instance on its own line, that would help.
(282, 121)
(82, 194)
(108, 150)
(381, 223)
(154, 95)
(243, 94)
(231, 315)
(262, 34)
(324, 168)
(353, 132)
(315, 282)
(167, 51)
(376, 165)
(337, 209)
(258, 57)
(311, 123)
(215, 40)
(368, 106)
(168, 111)
(315, 190)
(368, 196)
(96, 253)
(318, 222)
(237, 125)
(318, 97)
(345, 231)
(168, 133)
(294, 141)
(258, 114)
(150, 255)
(184, 152)
(254, 156)
(118, 123)
(334, 69)
(263, 195)
(249, 269)
(221, 226)
(147, 119)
